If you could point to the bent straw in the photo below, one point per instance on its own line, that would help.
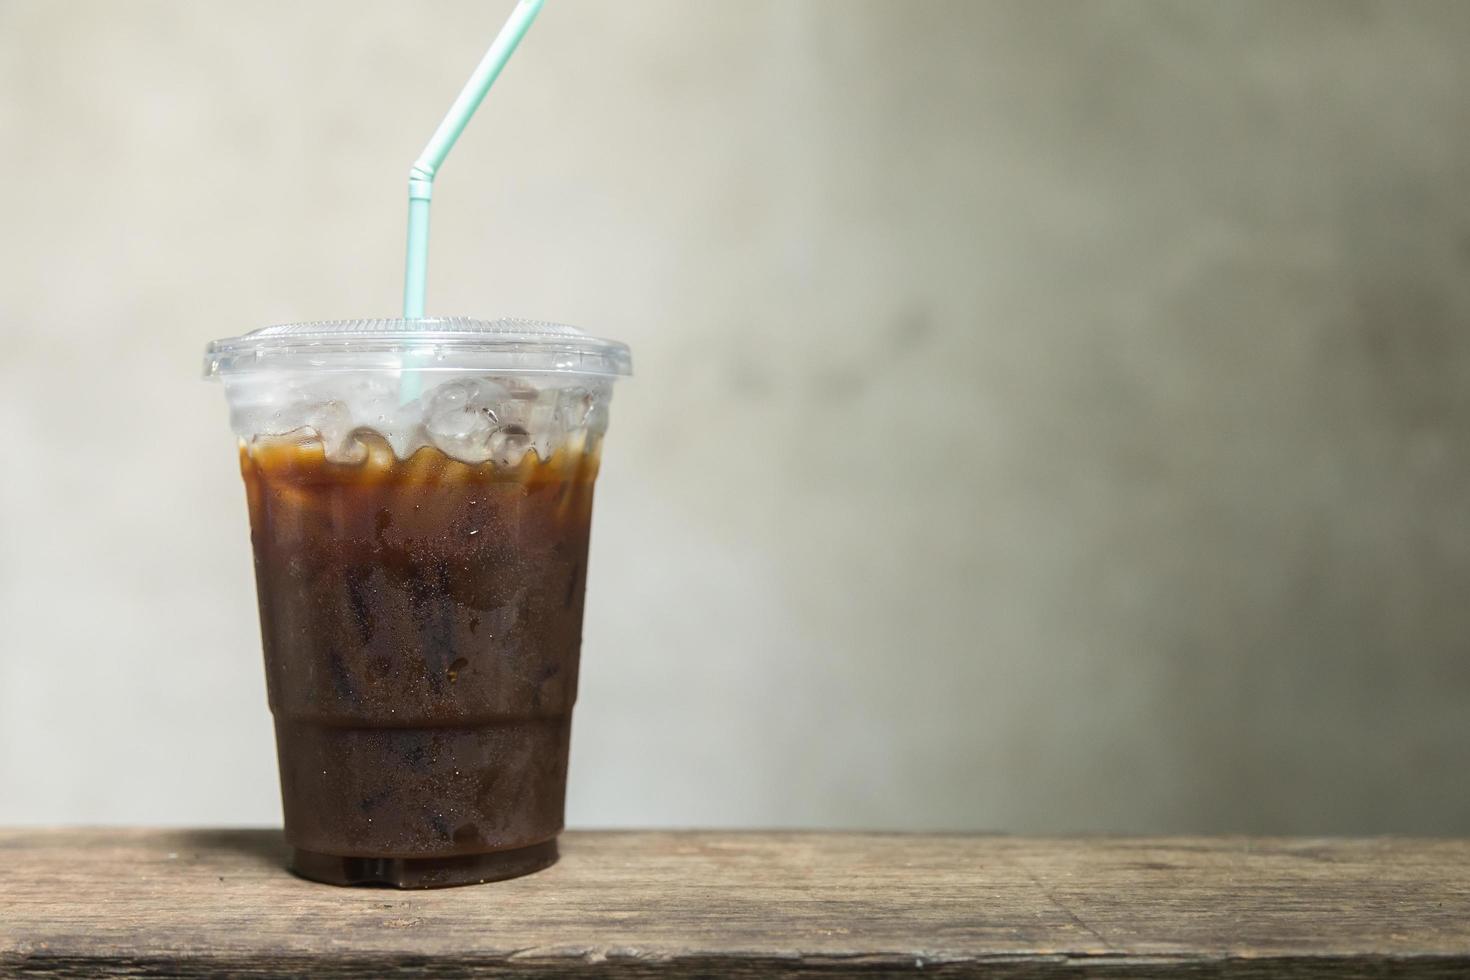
(421, 175)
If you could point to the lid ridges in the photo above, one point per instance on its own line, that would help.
(521, 344)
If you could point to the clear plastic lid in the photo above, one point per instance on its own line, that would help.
(504, 346)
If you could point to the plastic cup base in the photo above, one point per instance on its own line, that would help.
(440, 872)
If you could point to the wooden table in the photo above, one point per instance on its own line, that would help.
(193, 903)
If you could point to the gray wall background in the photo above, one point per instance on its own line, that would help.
(1049, 416)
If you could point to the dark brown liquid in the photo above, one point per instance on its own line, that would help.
(422, 620)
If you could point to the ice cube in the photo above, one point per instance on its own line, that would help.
(462, 418)
(508, 444)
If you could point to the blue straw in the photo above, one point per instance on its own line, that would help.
(421, 176)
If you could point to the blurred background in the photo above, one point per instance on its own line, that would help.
(1048, 416)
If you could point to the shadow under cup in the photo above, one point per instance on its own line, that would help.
(420, 556)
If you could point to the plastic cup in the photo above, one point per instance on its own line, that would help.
(420, 568)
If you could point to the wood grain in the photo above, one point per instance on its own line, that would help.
(647, 904)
